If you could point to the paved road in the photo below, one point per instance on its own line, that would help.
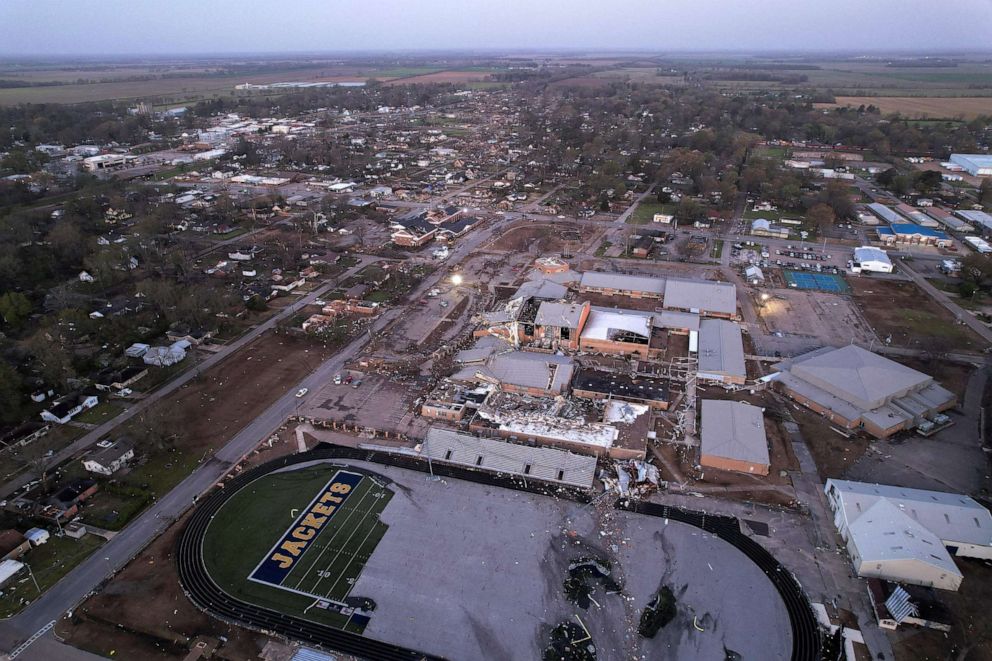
(99, 432)
(116, 553)
(948, 303)
(622, 218)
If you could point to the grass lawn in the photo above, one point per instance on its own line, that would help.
(717, 250)
(100, 413)
(774, 216)
(601, 250)
(112, 508)
(254, 519)
(926, 324)
(380, 296)
(645, 211)
(347, 261)
(49, 563)
(779, 153)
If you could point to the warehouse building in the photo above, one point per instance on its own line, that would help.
(912, 234)
(885, 213)
(857, 389)
(703, 297)
(871, 259)
(612, 284)
(733, 437)
(505, 458)
(909, 535)
(977, 165)
(976, 219)
(721, 352)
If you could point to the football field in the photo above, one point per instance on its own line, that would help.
(323, 552)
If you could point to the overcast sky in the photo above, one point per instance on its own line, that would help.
(111, 27)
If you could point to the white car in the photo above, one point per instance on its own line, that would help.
(302, 391)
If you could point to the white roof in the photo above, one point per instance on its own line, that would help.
(951, 517)
(602, 321)
(721, 348)
(504, 457)
(857, 375)
(734, 430)
(620, 282)
(885, 534)
(871, 254)
(703, 295)
(9, 568)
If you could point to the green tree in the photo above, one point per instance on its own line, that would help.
(928, 182)
(14, 309)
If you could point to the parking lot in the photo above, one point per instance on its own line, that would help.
(368, 400)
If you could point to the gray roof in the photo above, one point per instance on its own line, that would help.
(544, 289)
(678, 320)
(108, 455)
(566, 315)
(620, 282)
(721, 348)
(504, 457)
(524, 369)
(858, 376)
(702, 295)
(951, 517)
(734, 430)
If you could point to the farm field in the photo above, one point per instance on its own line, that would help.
(920, 107)
(176, 90)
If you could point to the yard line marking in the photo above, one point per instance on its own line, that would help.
(338, 554)
(348, 516)
(344, 546)
(353, 555)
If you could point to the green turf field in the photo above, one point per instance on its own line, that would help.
(249, 527)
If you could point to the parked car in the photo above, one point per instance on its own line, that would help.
(302, 391)
(337, 379)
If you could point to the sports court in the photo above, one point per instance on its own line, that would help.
(323, 551)
(828, 282)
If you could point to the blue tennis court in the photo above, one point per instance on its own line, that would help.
(819, 281)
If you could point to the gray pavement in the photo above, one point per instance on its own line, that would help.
(484, 567)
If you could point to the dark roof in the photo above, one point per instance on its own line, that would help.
(621, 385)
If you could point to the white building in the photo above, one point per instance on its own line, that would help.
(874, 260)
(909, 535)
(977, 165)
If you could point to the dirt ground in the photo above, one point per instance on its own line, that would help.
(544, 238)
(970, 638)
(925, 107)
(833, 453)
(678, 463)
(263, 370)
(122, 621)
(953, 376)
(911, 318)
(830, 318)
